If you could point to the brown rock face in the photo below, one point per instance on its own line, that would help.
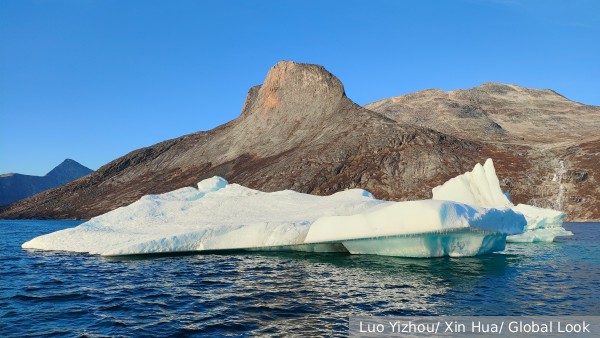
(299, 131)
(554, 142)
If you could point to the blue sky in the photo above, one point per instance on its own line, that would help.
(93, 80)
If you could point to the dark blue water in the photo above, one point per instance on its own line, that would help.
(61, 294)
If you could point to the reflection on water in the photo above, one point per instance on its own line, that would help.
(277, 293)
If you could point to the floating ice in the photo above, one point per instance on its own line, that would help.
(216, 216)
(221, 216)
(543, 225)
(481, 187)
(426, 228)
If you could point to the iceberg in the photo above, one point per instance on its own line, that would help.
(477, 187)
(214, 216)
(425, 228)
(481, 187)
(543, 225)
(221, 216)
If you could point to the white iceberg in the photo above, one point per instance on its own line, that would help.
(426, 228)
(543, 225)
(216, 216)
(481, 187)
(478, 187)
(222, 216)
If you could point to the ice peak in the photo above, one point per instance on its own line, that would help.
(212, 184)
(479, 187)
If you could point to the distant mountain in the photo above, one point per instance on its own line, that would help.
(14, 187)
(298, 130)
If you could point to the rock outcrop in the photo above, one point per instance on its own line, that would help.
(298, 131)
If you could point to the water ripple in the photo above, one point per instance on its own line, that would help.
(274, 294)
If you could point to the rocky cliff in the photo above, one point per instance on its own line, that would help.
(298, 131)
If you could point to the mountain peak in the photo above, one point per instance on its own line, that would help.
(294, 88)
(69, 168)
(14, 187)
(499, 85)
(69, 161)
(503, 89)
(290, 74)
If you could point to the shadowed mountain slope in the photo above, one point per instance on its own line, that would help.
(14, 187)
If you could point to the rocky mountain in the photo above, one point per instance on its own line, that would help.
(14, 187)
(298, 131)
(495, 112)
(558, 139)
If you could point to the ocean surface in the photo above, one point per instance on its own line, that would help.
(304, 294)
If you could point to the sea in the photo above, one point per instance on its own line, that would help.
(59, 294)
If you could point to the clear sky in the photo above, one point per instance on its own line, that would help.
(93, 80)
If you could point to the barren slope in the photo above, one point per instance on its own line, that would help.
(558, 140)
